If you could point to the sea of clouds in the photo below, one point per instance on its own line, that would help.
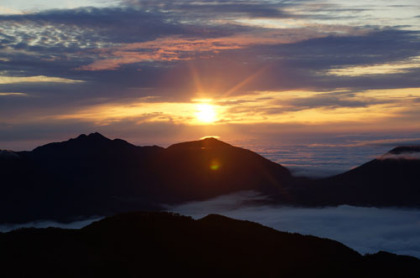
(364, 229)
(4, 228)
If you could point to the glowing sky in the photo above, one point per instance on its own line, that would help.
(163, 71)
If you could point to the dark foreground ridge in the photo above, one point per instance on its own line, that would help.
(168, 245)
(92, 175)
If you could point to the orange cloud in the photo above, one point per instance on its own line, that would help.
(176, 48)
(164, 49)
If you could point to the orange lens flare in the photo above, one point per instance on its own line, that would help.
(214, 165)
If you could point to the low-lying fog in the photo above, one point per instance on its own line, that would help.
(4, 228)
(365, 229)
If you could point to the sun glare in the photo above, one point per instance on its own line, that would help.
(206, 113)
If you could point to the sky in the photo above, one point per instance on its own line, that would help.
(160, 72)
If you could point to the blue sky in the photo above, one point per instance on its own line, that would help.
(144, 70)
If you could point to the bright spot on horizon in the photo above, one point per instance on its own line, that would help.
(210, 136)
(206, 113)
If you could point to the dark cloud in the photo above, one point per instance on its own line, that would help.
(293, 65)
(331, 101)
(107, 24)
(246, 59)
(308, 62)
(215, 9)
(323, 100)
(372, 48)
(90, 28)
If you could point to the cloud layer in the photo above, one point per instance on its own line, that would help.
(310, 63)
(367, 230)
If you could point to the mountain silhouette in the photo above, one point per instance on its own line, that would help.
(145, 244)
(93, 175)
(390, 180)
(405, 150)
(88, 175)
(209, 167)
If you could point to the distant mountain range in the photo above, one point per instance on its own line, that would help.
(168, 245)
(93, 175)
(390, 180)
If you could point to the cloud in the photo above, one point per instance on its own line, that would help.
(182, 50)
(23, 6)
(4, 228)
(120, 38)
(333, 101)
(6, 10)
(405, 156)
(318, 171)
(3, 94)
(410, 139)
(395, 68)
(367, 230)
(35, 79)
(408, 152)
(217, 9)
(167, 49)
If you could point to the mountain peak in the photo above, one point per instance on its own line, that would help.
(92, 143)
(403, 152)
(9, 155)
(206, 143)
(92, 136)
(405, 149)
(212, 142)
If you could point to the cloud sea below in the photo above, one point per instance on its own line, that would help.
(365, 229)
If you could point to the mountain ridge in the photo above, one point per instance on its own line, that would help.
(93, 175)
(159, 244)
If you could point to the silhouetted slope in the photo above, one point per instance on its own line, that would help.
(162, 245)
(89, 175)
(209, 167)
(391, 180)
(405, 150)
(93, 175)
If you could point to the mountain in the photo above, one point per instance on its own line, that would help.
(93, 175)
(390, 180)
(143, 244)
(209, 167)
(84, 176)
(408, 151)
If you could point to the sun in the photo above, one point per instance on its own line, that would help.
(206, 113)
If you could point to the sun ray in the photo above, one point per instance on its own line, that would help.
(245, 81)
